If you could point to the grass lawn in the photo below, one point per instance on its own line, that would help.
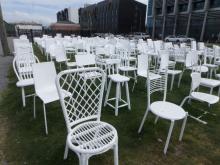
(26, 142)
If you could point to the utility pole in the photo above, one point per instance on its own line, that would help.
(3, 35)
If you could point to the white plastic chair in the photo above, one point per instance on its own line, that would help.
(199, 96)
(45, 87)
(22, 66)
(87, 135)
(163, 109)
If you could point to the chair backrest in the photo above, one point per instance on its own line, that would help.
(201, 45)
(112, 66)
(191, 59)
(168, 45)
(84, 99)
(156, 82)
(196, 80)
(164, 59)
(193, 45)
(44, 76)
(60, 53)
(22, 66)
(142, 63)
(85, 60)
(180, 55)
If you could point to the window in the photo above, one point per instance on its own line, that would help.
(158, 11)
(183, 7)
(170, 9)
(198, 4)
(214, 3)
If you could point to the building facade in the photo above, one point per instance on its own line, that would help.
(68, 15)
(113, 16)
(199, 19)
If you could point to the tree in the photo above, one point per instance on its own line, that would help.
(3, 35)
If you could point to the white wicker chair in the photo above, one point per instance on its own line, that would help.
(163, 109)
(87, 135)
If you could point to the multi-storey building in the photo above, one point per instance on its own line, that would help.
(194, 18)
(113, 16)
(68, 15)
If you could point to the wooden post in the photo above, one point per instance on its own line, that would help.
(3, 35)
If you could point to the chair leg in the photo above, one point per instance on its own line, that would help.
(183, 127)
(211, 91)
(34, 106)
(143, 120)
(135, 80)
(45, 119)
(66, 151)
(156, 119)
(117, 98)
(83, 160)
(23, 97)
(116, 154)
(128, 96)
(180, 78)
(168, 137)
(171, 85)
(108, 91)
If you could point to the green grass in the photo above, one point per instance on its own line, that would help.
(27, 143)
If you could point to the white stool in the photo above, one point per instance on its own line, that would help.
(119, 80)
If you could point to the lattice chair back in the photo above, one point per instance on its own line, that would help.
(196, 80)
(22, 66)
(156, 81)
(84, 101)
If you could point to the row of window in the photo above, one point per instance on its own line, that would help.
(196, 5)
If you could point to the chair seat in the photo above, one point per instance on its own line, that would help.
(212, 66)
(209, 82)
(90, 75)
(71, 64)
(127, 68)
(205, 97)
(153, 76)
(167, 110)
(118, 78)
(174, 72)
(203, 69)
(217, 62)
(48, 95)
(24, 83)
(92, 137)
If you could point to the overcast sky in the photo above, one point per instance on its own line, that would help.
(40, 11)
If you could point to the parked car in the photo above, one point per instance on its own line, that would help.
(178, 39)
(138, 35)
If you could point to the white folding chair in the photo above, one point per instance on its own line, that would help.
(199, 96)
(87, 135)
(45, 87)
(163, 109)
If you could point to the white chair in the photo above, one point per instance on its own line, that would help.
(87, 135)
(163, 109)
(164, 63)
(199, 96)
(45, 87)
(22, 66)
(114, 76)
